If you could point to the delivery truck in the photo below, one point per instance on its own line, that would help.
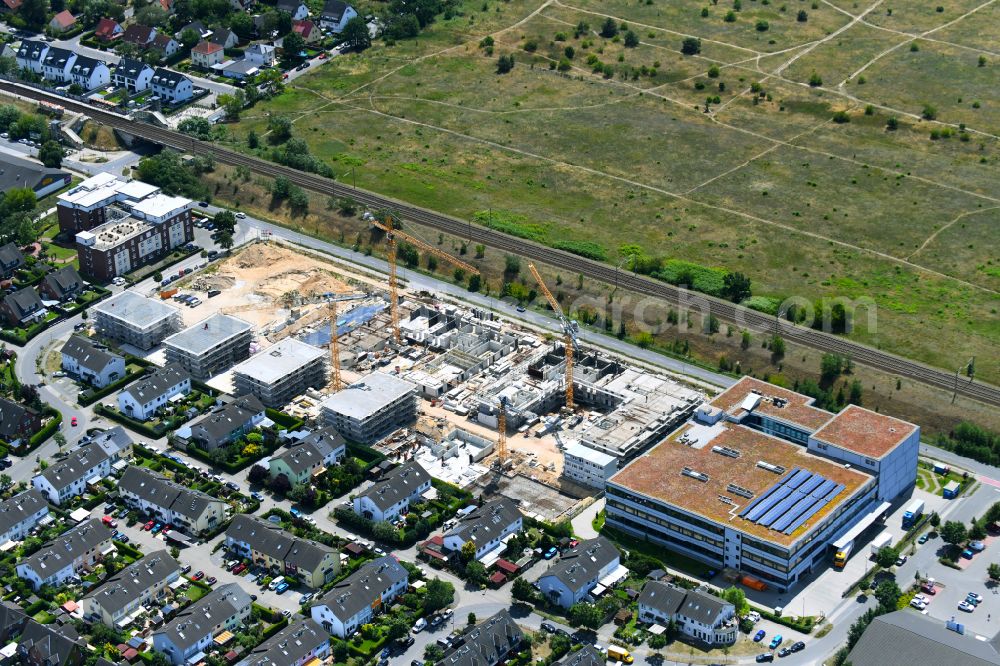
(912, 513)
(883, 540)
(616, 653)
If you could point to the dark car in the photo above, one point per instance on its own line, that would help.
(406, 642)
(767, 656)
(784, 652)
(548, 627)
(203, 204)
(798, 646)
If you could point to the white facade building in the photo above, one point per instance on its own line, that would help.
(587, 466)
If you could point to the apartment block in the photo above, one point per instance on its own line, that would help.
(211, 346)
(371, 408)
(136, 320)
(281, 372)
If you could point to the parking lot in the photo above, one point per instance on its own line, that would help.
(953, 586)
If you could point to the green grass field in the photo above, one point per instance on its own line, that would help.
(766, 183)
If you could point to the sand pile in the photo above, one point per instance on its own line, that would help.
(214, 281)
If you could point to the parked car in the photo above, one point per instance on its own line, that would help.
(767, 656)
(974, 598)
(148, 526)
(286, 613)
(928, 588)
(198, 575)
(211, 580)
(967, 554)
(966, 606)
(918, 604)
(241, 215)
(977, 546)
(784, 652)
(281, 588)
(156, 528)
(901, 560)
(550, 553)
(186, 569)
(776, 641)
(232, 486)
(72, 421)
(257, 496)
(240, 568)
(419, 626)
(798, 646)
(548, 627)
(924, 537)
(759, 636)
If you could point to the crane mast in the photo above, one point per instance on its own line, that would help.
(570, 343)
(335, 379)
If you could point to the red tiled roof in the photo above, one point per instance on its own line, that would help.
(506, 565)
(206, 48)
(12, 5)
(498, 578)
(303, 28)
(107, 29)
(64, 19)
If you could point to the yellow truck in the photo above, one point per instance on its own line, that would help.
(616, 653)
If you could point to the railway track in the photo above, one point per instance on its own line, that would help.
(723, 310)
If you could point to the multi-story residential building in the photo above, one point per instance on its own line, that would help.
(172, 87)
(493, 641)
(147, 396)
(309, 456)
(211, 346)
(84, 206)
(588, 467)
(307, 30)
(335, 15)
(134, 236)
(579, 571)
(84, 466)
(355, 600)
(89, 363)
(192, 630)
(50, 645)
(262, 55)
(297, 644)
(486, 527)
(121, 598)
(63, 284)
(21, 513)
(31, 54)
(17, 422)
(22, 307)
(165, 44)
(57, 63)
(67, 555)
(697, 615)
(281, 552)
(281, 372)
(225, 425)
(89, 73)
(12, 621)
(298, 9)
(133, 75)
(207, 53)
(391, 495)
(190, 511)
(371, 408)
(791, 480)
(136, 320)
(10, 259)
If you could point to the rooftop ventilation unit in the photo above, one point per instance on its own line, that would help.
(726, 500)
(739, 490)
(700, 476)
(726, 451)
(777, 469)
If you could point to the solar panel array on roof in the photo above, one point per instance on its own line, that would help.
(793, 500)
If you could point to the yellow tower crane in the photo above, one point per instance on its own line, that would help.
(391, 235)
(335, 380)
(502, 433)
(570, 343)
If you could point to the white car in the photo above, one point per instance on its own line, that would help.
(241, 215)
(918, 604)
(922, 598)
(420, 625)
(753, 616)
(966, 607)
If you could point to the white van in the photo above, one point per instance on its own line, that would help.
(275, 583)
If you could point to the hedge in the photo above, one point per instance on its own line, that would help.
(285, 421)
(369, 456)
(34, 608)
(129, 422)
(47, 431)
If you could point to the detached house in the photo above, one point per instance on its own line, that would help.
(10, 259)
(355, 600)
(121, 598)
(281, 552)
(62, 21)
(190, 511)
(140, 35)
(91, 364)
(21, 513)
(67, 555)
(22, 307)
(227, 424)
(191, 632)
(31, 54)
(298, 9)
(17, 422)
(335, 15)
(63, 284)
(307, 30)
(85, 466)
(57, 64)
(206, 53)
(89, 73)
(309, 456)
(225, 38)
(488, 643)
(262, 55)
(486, 527)
(166, 44)
(145, 397)
(132, 75)
(108, 30)
(391, 495)
(580, 570)
(172, 87)
(698, 615)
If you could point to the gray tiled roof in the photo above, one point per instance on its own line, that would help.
(31, 49)
(905, 638)
(670, 600)
(487, 522)
(75, 465)
(50, 644)
(220, 423)
(128, 584)
(64, 281)
(9, 254)
(164, 493)
(582, 564)
(20, 506)
(289, 645)
(23, 302)
(588, 656)
(265, 537)
(334, 9)
(61, 551)
(57, 57)
(153, 386)
(486, 643)
(663, 598)
(167, 78)
(397, 484)
(200, 618)
(12, 415)
(311, 449)
(357, 591)
(86, 354)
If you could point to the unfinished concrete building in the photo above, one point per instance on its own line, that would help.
(281, 372)
(371, 408)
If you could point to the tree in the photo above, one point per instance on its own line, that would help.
(505, 63)
(475, 282)
(885, 557)
(226, 241)
(609, 28)
(631, 39)
(242, 24)
(586, 615)
(281, 188)
(935, 519)
(737, 598)
(233, 104)
(190, 38)
(279, 128)
(993, 571)
(439, 594)
(468, 551)
(736, 287)
(929, 112)
(830, 367)
(475, 572)
(887, 594)
(356, 35)
(280, 484)
(225, 220)
(293, 44)
(658, 642)
(815, 80)
(977, 531)
(397, 627)
(34, 13)
(522, 590)
(385, 532)
(953, 532)
(257, 474)
(197, 127)
(512, 265)
(802, 16)
(777, 346)
(471, 619)
(691, 46)
(432, 652)
(51, 154)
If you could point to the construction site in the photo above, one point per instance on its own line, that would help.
(478, 400)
